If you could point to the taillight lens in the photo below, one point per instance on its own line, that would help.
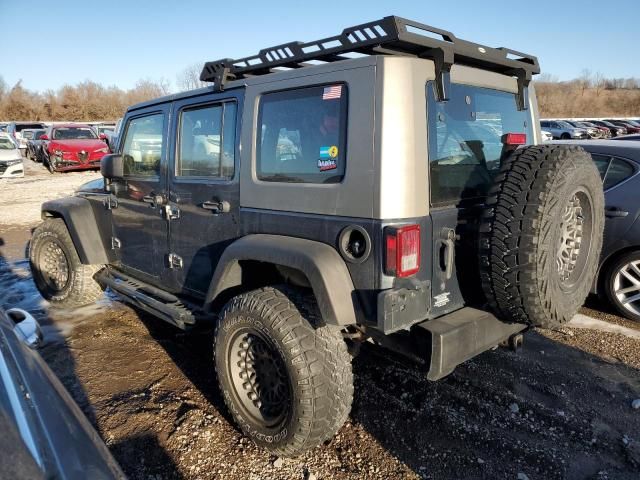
(402, 257)
(514, 139)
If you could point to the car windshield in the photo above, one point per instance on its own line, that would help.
(6, 144)
(565, 125)
(73, 133)
(465, 140)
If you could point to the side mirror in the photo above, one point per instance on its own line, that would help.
(26, 327)
(112, 167)
(102, 136)
(44, 136)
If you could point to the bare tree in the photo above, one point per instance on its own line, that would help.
(189, 78)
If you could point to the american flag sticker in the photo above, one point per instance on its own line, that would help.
(332, 92)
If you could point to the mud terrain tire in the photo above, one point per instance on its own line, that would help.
(541, 235)
(57, 271)
(284, 375)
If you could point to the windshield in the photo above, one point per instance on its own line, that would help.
(6, 144)
(73, 133)
(465, 140)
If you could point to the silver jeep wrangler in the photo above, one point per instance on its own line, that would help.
(382, 185)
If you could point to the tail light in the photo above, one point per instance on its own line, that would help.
(402, 257)
(514, 139)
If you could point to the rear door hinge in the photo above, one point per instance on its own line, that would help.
(115, 243)
(174, 261)
(110, 202)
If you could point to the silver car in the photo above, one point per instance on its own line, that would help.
(562, 130)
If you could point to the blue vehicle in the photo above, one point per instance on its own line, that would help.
(44, 433)
(619, 273)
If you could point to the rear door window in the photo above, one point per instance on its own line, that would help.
(619, 170)
(465, 140)
(302, 135)
(207, 141)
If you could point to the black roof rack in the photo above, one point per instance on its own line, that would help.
(389, 36)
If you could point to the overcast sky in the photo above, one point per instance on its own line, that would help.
(49, 44)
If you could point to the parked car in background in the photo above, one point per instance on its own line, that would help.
(108, 130)
(34, 146)
(619, 272)
(630, 127)
(15, 130)
(72, 146)
(614, 129)
(546, 136)
(3, 126)
(604, 131)
(563, 130)
(11, 164)
(592, 131)
(628, 137)
(44, 433)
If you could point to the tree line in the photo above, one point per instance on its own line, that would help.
(590, 95)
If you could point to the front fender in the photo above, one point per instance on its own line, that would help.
(81, 223)
(321, 264)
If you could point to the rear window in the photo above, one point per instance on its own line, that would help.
(465, 135)
(302, 135)
(23, 126)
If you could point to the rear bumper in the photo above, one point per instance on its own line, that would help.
(460, 336)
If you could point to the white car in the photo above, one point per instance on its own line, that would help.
(11, 165)
(546, 136)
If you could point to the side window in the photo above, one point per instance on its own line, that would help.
(207, 141)
(302, 135)
(602, 162)
(619, 170)
(142, 148)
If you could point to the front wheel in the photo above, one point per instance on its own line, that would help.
(57, 271)
(286, 379)
(622, 285)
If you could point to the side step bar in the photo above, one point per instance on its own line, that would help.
(159, 303)
(460, 336)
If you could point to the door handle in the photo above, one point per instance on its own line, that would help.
(615, 212)
(447, 237)
(217, 206)
(153, 200)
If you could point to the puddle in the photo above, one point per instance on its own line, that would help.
(17, 290)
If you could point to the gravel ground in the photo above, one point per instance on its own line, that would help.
(558, 408)
(21, 198)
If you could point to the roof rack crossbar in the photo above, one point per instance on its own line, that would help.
(388, 36)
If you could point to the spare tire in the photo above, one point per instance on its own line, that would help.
(541, 234)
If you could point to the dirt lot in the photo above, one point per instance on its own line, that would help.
(558, 408)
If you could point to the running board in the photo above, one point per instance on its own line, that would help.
(159, 303)
(460, 336)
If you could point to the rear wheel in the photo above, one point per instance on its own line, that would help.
(285, 377)
(622, 285)
(57, 270)
(541, 235)
(565, 136)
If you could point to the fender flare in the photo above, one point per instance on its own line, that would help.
(323, 266)
(81, 223)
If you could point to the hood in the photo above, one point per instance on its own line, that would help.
(89, 145)
(10, 155)
(93, 186)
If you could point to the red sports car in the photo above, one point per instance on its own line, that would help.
(72, 146)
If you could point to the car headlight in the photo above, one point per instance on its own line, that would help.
(102, 150)
(58, 153)
(13, 162)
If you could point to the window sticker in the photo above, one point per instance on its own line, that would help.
(327, 160)
(332, 93)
